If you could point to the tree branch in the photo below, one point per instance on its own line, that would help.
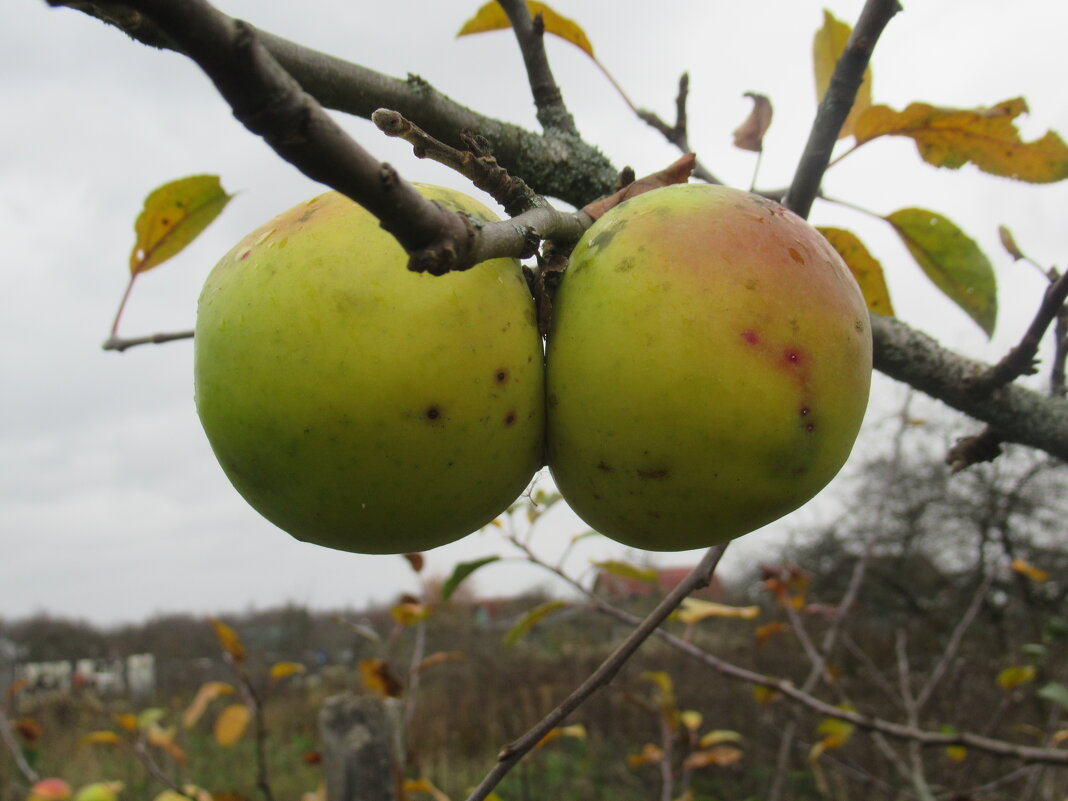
(530, 34)
(16, 752)
(562, 166)
(1020, 415)
(836, 103)
(678, 134)
(510, 755)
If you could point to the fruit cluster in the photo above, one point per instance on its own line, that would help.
(706, 372)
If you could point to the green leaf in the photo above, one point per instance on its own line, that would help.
(1055, 692)
(529, 620)
(867, 271)
(461, 572)
(627, 570)
(173, 216)
(952, 261)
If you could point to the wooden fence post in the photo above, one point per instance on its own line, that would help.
(359, 737)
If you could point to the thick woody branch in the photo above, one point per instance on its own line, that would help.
(1019, 415)
(549, 101)
(561, 166)
(836, 103)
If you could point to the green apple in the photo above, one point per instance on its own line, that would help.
(99, 791)
(707, 368)
(356, 404)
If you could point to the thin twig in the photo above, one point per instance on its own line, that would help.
(16, 752)
(953, 646)
(478, 166)
(510, 755)
(1020, 360)
(140, 749)
(677, 134)
(122, 343)
(836, 103)
(253, 701)
(530, 35)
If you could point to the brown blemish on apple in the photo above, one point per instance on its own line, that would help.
(751, 337)
(432, 413)
(245, 255)
(603, 465)
(654, 473)
(509, 418)
(501, 375)
(810, 427)
(795, 255)
(792, 357)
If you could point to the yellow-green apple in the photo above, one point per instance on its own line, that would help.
(99, 791)
(356, 404)
(707, 368)
(51, 789)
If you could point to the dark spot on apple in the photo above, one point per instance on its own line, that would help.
(625, 265)
(307, 215)
(653, 514)
(501, 375)
(804, 411)
(654, 473)
(596, 496)
(795, 255)
(810, 427)
(433, 412)
(603, 239)
(603, 465)
(792, 356)
(509, 418)
(245, 255)
(751, 337)
(165, 221)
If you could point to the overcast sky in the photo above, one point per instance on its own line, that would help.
(112, 507)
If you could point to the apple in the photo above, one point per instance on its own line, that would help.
(707, 368)
(361, 406)
(99, 791)
(49, 790)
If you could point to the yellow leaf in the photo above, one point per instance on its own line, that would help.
(957, 753)
(423, 786)
(231, 724)
(986, 137)
(952, 261)
(768, 630)
(379, 677)
(867, 271)
(694, 610)
(101, 738)
(722, 755)
(835, 731)
(409, 613)
(146, 717)
(229, 640)
(1017, 675)
(691, 719)
(662, 679)
(127, 721)
(173, 216)
(205, 695)
(719, 736)
(439, 658)
(827, 47)
(283, 670)
(576, 730)
(764, 695)
(1026, 569)
(650, 754)
(1060, 736)
(629, 571)
(491, 17)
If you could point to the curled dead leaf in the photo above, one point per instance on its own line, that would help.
(750, 134)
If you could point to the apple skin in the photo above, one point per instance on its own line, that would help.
(49, 790)
(361, 406)
(99, 791)
(707, 368)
